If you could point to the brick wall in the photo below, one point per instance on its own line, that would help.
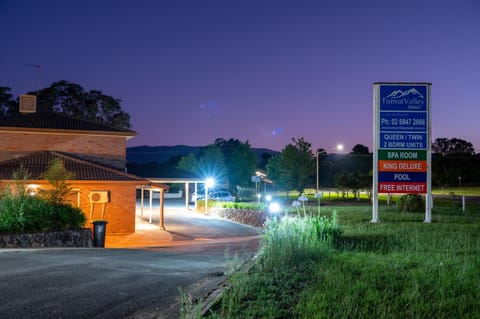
(108, 150)
(119, 212)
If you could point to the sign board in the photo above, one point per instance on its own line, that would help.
(401, 139)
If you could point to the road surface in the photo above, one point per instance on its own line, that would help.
(123, 283)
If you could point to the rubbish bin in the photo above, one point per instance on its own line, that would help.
(99, 229)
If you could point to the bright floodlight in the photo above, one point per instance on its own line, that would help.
(268, 198)
(274, 207)
(209, 182)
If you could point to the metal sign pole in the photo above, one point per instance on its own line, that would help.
(375, 154)
(428, 198)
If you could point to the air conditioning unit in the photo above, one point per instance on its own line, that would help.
(28, 103)
(99, 196)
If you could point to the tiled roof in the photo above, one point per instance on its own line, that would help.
(37, 163)
(57, 121)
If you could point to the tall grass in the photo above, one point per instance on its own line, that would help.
(398, 268)
(290, 249)
(292, 240)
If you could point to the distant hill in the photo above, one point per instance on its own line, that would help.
(162, 154)
(158, 154)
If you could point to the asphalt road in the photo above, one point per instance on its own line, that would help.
(123, 283)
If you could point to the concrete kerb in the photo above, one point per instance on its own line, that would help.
(214, 296)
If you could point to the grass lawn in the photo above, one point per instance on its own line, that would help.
(398, 268)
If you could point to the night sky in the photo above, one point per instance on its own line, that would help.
(189, 72)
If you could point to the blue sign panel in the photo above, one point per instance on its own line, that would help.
(411, 177)
(403, 121)
(403, 98)
(395, 140)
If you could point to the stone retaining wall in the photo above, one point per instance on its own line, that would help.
(245, 216)
(71, 238)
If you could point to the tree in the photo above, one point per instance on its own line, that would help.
(452, 147)
(229, 160)
(57, 176)
(294, 167)
(72, 99)
(188, 163)
(239, 159)
(453, 162)
(7, 105)
(360, 149)
(353, 181)
(210, 163)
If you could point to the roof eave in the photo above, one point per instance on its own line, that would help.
(127, 134)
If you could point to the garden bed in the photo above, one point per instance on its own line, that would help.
(250, 217)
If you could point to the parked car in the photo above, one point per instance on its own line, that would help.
(222, 196)
(194, 196)
(219, 195)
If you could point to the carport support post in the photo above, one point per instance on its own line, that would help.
(142, 197)
(162, 204)
(187, 192)
(151, 205)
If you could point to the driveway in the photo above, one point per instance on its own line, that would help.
(193, 258)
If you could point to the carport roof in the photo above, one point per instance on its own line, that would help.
(37, 164)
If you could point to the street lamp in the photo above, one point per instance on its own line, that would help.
(209, 182)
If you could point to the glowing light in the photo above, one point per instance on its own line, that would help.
(32, 189)
(274, 207)
(209, 182)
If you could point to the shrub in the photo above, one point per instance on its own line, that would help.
(22, 213)
(410, 203)
(27, 214)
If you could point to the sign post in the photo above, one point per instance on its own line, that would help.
(402, 141)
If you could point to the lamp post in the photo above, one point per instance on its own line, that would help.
(209, 182)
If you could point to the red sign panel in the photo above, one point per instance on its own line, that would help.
(400, 187)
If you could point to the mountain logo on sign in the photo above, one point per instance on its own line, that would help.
(413, 99)
(398, 94)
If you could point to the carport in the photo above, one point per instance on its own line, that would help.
(154, 187)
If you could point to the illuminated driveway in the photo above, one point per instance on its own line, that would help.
(121, 283)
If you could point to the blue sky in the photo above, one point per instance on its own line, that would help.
(268, 71)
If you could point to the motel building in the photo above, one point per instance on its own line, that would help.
(93, 152)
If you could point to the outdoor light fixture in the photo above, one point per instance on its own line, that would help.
(268, 198)
(274, 207)
(209, 182)
(32, 189)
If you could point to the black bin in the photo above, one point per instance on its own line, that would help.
(99, 229)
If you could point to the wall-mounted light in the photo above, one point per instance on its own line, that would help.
(32, 189)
